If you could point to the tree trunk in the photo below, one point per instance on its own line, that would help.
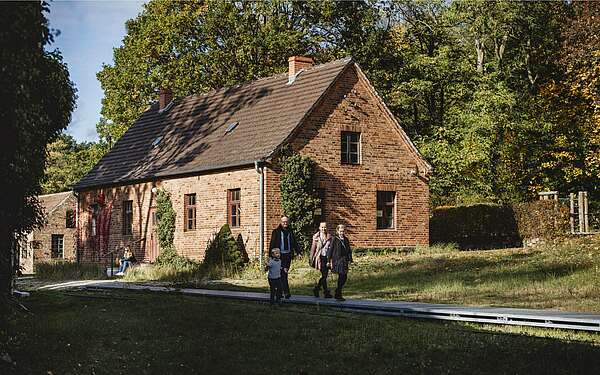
(480, 55)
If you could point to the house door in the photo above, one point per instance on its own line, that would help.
(153, 250)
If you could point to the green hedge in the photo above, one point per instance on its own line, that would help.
(488, 226)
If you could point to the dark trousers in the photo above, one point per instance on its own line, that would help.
(342, 277)
(275, 287)
(324, 273)
(286, 262)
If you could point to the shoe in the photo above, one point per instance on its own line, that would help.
(119, 274)
(327, 294)
(339, 298)
(316, 292)
(288, 296)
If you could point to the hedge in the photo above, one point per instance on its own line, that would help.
(488, 226)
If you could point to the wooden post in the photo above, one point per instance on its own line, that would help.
(586, 227)
(572, 212)
(580, 211)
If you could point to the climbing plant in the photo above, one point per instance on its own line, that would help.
(165, 217)
(299, 198)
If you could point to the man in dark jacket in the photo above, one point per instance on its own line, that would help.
(283, 239)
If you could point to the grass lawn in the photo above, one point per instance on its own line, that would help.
(138, 333)
(562, 276)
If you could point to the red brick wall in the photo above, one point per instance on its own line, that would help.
(387, 164)
(40, 241)
(211, 213)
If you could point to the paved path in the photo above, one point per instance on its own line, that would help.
(490, 315)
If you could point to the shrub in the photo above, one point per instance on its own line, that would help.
(224, 253)
(169, 258)
(486, 226)
(541, 219)
(68, 270)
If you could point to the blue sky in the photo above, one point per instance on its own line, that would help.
(89, 30)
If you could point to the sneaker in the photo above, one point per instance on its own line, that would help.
(288, 296)
(316, 292)
(327, 294)
(339, 298)
(119, 274)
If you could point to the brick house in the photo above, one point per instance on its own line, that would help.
(57, 238)
(216, 154)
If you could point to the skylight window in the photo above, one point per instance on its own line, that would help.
(231, 127)
(156, 142)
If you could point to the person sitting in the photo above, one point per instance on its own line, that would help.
(126, 261)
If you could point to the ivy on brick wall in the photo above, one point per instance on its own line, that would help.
(299, 198)
(165, 221)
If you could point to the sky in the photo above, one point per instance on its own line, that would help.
(89, 30)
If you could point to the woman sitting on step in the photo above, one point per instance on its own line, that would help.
(126, 260)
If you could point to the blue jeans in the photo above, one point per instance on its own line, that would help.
(124, 265)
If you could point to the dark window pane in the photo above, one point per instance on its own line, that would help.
(70, 219)
(385, 209)
(350, 152)
(57, 246)
(127, 217)
(190, 211)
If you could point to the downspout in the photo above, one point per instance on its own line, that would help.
(261, 208)
(76, 194)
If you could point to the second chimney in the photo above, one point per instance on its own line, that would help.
(164, 98)
(296, 63)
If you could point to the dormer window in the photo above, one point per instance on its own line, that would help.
(156, 141)
(231, 127)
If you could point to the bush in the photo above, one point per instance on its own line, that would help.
(487, 226)
(68, 270)
(169, 258)
(542, 219)
(224, 253)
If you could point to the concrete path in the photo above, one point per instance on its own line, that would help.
(489, 315)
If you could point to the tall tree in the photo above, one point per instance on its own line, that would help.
(68, 161)
(37, 100)
(192, 47)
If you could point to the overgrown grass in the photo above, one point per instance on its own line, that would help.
(564, 275)
(140, 333)
(66, 270)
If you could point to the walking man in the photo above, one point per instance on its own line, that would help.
(283, 239)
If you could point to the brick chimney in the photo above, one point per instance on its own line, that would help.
(299, 62)
(164, 98)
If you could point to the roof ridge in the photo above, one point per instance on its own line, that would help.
(274, 76)
(51, 194)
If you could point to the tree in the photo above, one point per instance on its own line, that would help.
(37, 101)
(194, 47)
(68, 161)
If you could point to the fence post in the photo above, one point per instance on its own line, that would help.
(572, 212)
(586, 226)
(580, 212)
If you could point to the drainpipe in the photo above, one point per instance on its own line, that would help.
(261, 208)
(76, 194)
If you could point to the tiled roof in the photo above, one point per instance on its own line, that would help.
(191, 135)
(51, 201)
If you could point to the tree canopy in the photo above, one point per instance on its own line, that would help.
(501, 97)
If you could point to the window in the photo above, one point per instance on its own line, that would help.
(233, 207)
(350, 148)
(70, 219)
(386, 201)
(57, 246)
(319, 213)
(189, 203)
(127, 217)
(94, 212)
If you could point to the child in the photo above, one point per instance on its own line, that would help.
(274, 268)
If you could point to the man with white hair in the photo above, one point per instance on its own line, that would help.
(283, 239)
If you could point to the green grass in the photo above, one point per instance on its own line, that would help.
(563, 276)
(141, 333)
(66, 270)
